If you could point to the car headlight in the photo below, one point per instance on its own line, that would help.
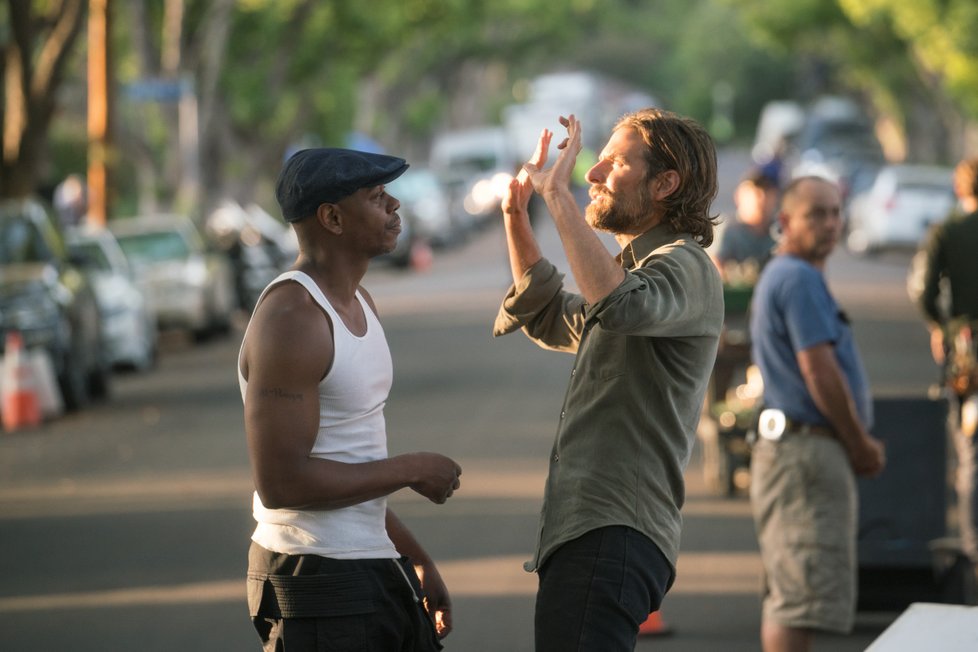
(30, 311)
(196, 272)
(36, 316)
(116, 297)
(485, 194)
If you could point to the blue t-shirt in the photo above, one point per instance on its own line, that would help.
(792, 310)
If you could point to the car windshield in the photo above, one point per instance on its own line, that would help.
(153, 247)
(94, 255)
(925, 187)
(21, 242)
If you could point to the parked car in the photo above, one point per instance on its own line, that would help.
(189, 285)
(838, 140)
(128, 322)
(898, 209)
(475, 165)
(424, 201)
(258, 246)
(46, 296)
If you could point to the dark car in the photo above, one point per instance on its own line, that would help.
(46, 296)
(839, 139)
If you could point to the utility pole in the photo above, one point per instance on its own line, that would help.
(99, 106)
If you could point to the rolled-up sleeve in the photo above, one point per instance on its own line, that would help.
(539, 305)
(677, 294)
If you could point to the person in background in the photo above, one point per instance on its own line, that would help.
(744, 246)
(948, 300)
(71, 200)
(644, 328)
(813, 434)
(331, 567)
(745, 243)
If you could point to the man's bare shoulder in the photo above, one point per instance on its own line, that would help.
(288, 322)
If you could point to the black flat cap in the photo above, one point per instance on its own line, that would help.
(326, 175)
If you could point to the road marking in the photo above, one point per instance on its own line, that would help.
(197, 593)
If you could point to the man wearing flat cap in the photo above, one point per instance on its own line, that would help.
(330, 566)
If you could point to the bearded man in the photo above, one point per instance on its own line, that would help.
(644, 327)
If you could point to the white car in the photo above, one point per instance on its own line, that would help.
(426, 204)
(128, 324)
(898, 209)
(188, 284)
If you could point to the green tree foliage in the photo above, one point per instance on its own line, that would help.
(941, 38)
(916, 61)
(36, 40)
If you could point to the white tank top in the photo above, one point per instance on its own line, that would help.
(351, 430)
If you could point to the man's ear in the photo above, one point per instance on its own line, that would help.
(330, 218)
(783, 219)
(664, 184)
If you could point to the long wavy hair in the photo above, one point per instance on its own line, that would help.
(681, 144)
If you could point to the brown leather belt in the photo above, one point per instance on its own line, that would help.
(796, 428)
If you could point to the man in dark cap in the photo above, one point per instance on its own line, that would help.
(330, 566)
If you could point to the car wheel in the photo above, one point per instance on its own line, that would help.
(149, 359)
(73, 382)
(98, 382)
(201, 335)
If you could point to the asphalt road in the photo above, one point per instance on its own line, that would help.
(125, 527)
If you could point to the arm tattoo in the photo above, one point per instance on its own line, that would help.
(278, 392)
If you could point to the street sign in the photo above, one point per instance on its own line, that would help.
(157, 90)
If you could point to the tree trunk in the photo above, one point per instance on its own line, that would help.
(33, 67)
(215, 35)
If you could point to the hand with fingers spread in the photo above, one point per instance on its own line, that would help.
(557, 177)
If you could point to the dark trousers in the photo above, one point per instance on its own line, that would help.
(596, 590)
(302, 603)
(966, 478)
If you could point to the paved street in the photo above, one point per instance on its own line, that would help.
(125, 527)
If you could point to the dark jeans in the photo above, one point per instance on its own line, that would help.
(596, 590)
(306, 602)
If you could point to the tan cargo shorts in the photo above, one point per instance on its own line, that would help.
(803, 496)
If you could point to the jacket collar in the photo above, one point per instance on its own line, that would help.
(642, 246)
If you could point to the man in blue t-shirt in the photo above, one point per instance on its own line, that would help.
(814, 430)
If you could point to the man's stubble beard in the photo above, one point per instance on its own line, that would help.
(618, 215)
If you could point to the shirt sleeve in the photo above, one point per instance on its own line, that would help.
(675, 293)
(538, 304)
(933, 264)
(811, 316)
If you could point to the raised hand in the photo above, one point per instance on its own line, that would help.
(558, 176)
(517, 198)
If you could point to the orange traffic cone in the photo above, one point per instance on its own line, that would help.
(21, 407)
(421, 256)
(654, 626)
